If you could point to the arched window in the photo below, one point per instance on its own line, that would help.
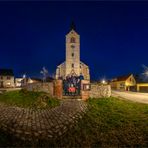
(72, 65)
(72, 40)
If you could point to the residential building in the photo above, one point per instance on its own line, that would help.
(6, 78)
(18, 82)
(126, 82)
(26, 81)
(142, 87)
(142, 83)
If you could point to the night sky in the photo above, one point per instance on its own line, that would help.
(113, 35)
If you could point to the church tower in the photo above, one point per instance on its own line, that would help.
(72, 51)
(72, 64)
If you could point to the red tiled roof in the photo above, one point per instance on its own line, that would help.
(121, 78)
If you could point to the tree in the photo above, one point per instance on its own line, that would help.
(145, 72)
(44, 72)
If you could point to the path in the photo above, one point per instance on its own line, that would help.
(133, 96)
(29, 124)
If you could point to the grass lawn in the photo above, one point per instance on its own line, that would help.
(110, 122)
(23, 98)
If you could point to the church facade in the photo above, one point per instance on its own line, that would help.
(72, 64)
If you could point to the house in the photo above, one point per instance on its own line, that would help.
(26, 81)
(18, 82)
(6, 78)
(142, 84)
(142, 87)
(126, 82)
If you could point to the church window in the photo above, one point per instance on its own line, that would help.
(72, 65)
(8, 78)
(72, 46)
(72, 54)
(72, 40)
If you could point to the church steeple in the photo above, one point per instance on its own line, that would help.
(72, 26)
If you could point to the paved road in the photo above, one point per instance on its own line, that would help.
(133, 96)
(29, 124)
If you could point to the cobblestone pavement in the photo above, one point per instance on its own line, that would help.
(29, 124)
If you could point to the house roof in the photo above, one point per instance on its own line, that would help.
(6, 72)
(36, 79)
(121, 78)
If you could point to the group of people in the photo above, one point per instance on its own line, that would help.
(72, 85)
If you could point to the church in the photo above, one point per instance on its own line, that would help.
(72, 64)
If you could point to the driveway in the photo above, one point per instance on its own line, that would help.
(133, 96)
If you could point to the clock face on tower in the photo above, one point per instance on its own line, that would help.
(72, 46)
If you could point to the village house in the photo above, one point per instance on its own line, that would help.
(127, 83)
(6, 78)
(142, 83)
(142, 86)
(26, 81)
(18, 82)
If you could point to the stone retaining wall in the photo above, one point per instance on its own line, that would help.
(98, 91)
(55, 89)
(44, 87)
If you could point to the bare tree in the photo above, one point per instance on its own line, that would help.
(145, 72)
(44, 72)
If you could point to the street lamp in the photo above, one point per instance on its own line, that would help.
(103, 81)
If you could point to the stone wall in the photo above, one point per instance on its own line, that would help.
(98, 91)
(42, 87)
(55, 89)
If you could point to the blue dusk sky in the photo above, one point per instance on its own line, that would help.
(113, 36)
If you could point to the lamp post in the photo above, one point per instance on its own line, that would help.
(103, 81)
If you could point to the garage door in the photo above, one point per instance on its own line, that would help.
(143, 88)
(132, 88)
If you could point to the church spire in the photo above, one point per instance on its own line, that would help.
(73, 26)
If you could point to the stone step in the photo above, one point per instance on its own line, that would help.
(71, 97)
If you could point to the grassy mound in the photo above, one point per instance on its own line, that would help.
(30, 99)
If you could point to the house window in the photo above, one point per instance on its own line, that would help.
(72, 65)
(122, 85)
(1, 77)
(72, 40)
(8, 78)
(72, 54)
